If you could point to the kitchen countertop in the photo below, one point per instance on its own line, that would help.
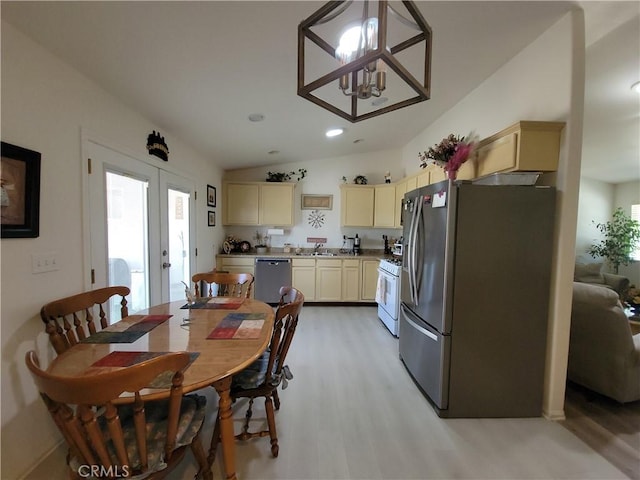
(371, 254)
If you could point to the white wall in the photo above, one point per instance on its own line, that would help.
(324, 176)
(545, 81)
(595, 206)
(45, 103)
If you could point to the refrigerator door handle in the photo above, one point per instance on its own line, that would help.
(416, 239)
(419, 328)
(412, 249)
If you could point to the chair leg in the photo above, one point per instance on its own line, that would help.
(204, 467)
(245, 435)
(276, 399)
(271, 420)
(215, 439)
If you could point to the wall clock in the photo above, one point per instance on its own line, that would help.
(316, 219)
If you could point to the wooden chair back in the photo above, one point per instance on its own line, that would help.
(228, 284)
(71, 319)
(99, 433)
(260, 380)
(284, 328)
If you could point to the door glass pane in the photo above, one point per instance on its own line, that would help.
(127, 237)
(179, 243)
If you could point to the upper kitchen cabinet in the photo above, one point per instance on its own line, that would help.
(525, 146)
(258, 203)
(356, 205)
(384, 206)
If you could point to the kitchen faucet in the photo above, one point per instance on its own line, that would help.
(317, 247)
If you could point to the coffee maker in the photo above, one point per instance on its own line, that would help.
(356, 245)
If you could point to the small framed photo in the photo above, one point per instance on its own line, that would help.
(211, 196)
(19, 192)
(211, 219)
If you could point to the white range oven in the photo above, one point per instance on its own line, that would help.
(388, 292)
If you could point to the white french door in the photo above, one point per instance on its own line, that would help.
(141, 226)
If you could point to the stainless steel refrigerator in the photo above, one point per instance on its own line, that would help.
(475, 296)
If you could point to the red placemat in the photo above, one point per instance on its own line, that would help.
(239, 326)
(117, 360)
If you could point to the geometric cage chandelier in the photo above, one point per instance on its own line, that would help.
(362, 62)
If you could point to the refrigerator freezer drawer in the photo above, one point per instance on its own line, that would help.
(425, 353)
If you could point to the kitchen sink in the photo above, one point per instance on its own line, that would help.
(317, 254)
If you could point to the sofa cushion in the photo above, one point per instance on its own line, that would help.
(603, 354)
(588, 273)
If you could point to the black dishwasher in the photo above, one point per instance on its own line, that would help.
(271, 274)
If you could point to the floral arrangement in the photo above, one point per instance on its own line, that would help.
(450, 153)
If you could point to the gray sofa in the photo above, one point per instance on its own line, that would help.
(604, 356)
(592, 274)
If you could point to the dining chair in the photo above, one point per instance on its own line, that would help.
(141, 439)
(223, 284)
(71, 319)
(262, 377)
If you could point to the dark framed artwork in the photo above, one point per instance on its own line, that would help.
(211, 196)
(211, 219)
(19, 192)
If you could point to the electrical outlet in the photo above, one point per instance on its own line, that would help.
(44, 262)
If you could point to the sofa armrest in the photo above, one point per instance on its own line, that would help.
(618, 282)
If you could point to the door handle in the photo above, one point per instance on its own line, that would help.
(166, 265)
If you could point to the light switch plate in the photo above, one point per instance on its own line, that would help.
(44, 262)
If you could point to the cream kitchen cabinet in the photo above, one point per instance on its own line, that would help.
(422, 179)
(524, 146)
(303, 276)
(328, 280)
(350, 280)
(369, 280)
(236, 264)
(384, 210)
(401, 189)
(356, 205)
(258, 203)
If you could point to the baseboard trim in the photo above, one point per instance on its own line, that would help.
(554, 415)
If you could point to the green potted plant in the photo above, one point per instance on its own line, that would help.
(621, 236)
(286, 176)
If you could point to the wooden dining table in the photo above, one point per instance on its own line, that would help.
(215, 361)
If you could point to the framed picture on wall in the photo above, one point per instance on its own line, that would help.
(211, 196)
(19, 192)
(316, 202)
(211, 220)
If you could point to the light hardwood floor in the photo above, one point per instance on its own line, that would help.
(353, 412)
(610, 428)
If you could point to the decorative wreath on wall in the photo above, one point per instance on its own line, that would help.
(316, 219)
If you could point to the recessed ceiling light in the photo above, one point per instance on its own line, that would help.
(334, 132)
(358, 140)
(636, 87)
(256, 117)
(273, 152)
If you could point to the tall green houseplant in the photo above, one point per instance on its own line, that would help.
(621, 235)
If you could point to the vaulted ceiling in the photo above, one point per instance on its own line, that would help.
(199, 69)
